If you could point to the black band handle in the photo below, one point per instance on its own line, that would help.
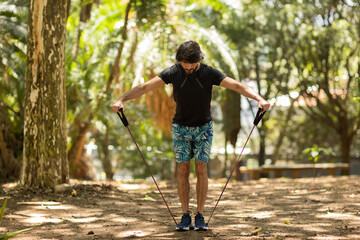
(122, 117)
(259, 116)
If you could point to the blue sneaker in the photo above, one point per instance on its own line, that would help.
(200, 222)
(185, 223)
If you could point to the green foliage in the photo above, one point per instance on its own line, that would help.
(9, 234)
(356, 91)
(146, 10)
(3, 209)
(315, 152)
(13, 234)
(275, 46)
(13, 31)
(156, 149)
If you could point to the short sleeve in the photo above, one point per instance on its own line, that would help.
(168, 74)
(217, 76)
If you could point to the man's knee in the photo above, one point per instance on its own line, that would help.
(184, 169)
(201, 168)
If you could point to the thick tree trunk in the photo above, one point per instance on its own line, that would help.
(45, 161)
(106, 161)
(345, 154)
(345, 142)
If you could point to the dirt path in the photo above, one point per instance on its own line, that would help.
(320, 208)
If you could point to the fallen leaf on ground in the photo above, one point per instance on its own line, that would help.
(147, 197)
(252, 233)
(256, 231)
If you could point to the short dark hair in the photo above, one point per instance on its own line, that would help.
(190, 52)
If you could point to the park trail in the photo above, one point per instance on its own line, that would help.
(304, 208)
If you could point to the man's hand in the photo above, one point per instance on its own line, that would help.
(118, 104)
(264, 104)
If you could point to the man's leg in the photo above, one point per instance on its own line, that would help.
(184, 185)
(201, 185)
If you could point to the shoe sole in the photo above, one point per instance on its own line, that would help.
(201, 228)
(182, 229)
(191, 226)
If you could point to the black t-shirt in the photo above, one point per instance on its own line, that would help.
(192, 92)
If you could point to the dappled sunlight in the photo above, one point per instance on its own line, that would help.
(335, 215)
(141, 187)
(283, 209)
(129, 186)
(82, 220)
(146, 230)
(239, 226)
(216, 185)
(124, 220)
(327, 237)
(134, 233)
(47, 205)
(86, 213)
(262, 215)
(319, 227)
(40, 218)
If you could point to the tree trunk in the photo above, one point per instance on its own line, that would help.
(236, 164)
(4, 151)
(225, 157)
(231, 108)
(76, 151)
(262, 150)
(45, 161)
(345, 154)
(345, 141)
(106, 161)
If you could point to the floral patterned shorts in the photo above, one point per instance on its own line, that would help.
(192, 142)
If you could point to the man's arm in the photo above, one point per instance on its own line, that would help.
(138, 91)
(245, 91)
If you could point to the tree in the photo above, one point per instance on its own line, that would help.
(45, 161)
(327, 61)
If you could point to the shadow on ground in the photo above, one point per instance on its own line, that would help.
(309, 208)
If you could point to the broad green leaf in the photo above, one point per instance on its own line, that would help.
(314, 154)
(3, 209)
(12, 234)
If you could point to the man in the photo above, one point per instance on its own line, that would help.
(192, 129)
